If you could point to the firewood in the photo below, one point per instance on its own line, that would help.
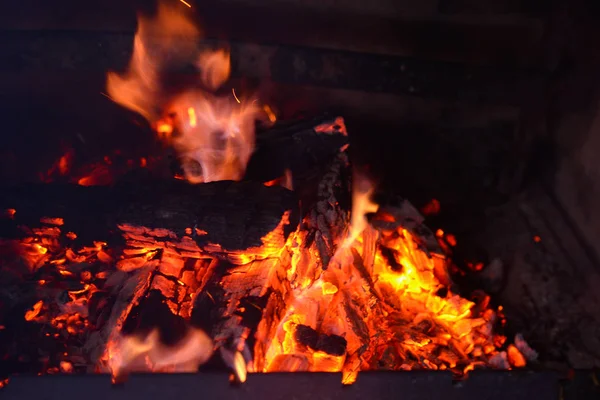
(300, 146)
(234, 215)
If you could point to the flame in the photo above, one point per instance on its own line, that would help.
(361, 206)
(285, 181)
(379, 303)
(213, 135)
(147, 353)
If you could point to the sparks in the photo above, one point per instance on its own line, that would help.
(270, 113)
(235, 97)
(186, 3)
(107, 96)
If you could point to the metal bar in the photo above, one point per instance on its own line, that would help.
(410, 385)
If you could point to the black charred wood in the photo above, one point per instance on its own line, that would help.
(153, 313)
(295, 146)
(307, 336)
(235, 215)
(331, 344)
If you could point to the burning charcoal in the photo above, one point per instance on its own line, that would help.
(289, 363)
(515, 357)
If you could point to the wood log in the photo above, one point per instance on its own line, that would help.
(234, 215)
(300, 147)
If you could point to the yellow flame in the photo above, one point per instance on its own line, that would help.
(192, 116)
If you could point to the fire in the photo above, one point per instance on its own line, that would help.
(147, 353)
(382, 304)
(371, 296)
(213, 135)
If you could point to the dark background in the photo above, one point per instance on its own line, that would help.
(465, 101)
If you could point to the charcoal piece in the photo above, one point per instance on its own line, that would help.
(331, 344)
(306, 335)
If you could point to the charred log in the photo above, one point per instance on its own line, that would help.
(236, 215)
(300, 147)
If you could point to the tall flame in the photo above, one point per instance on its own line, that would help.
(361, 206)
(213, 135)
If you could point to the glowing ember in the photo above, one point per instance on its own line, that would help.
(31, 314)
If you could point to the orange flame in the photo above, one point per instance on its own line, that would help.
(147, 353)
(380, 293)
(361, 206)
(213, 135)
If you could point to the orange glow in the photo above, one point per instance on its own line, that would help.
(10, 213)
(431, 208)
(515, 357)
(60, 167)
(63, 165)
(66, 367)
(395, 302)
(285, 181)
(186, 3)
(439, 233)
(40, 249)
(270, 114)
(31, 314)
(52, 221)
(164, 129)
(451, 239)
